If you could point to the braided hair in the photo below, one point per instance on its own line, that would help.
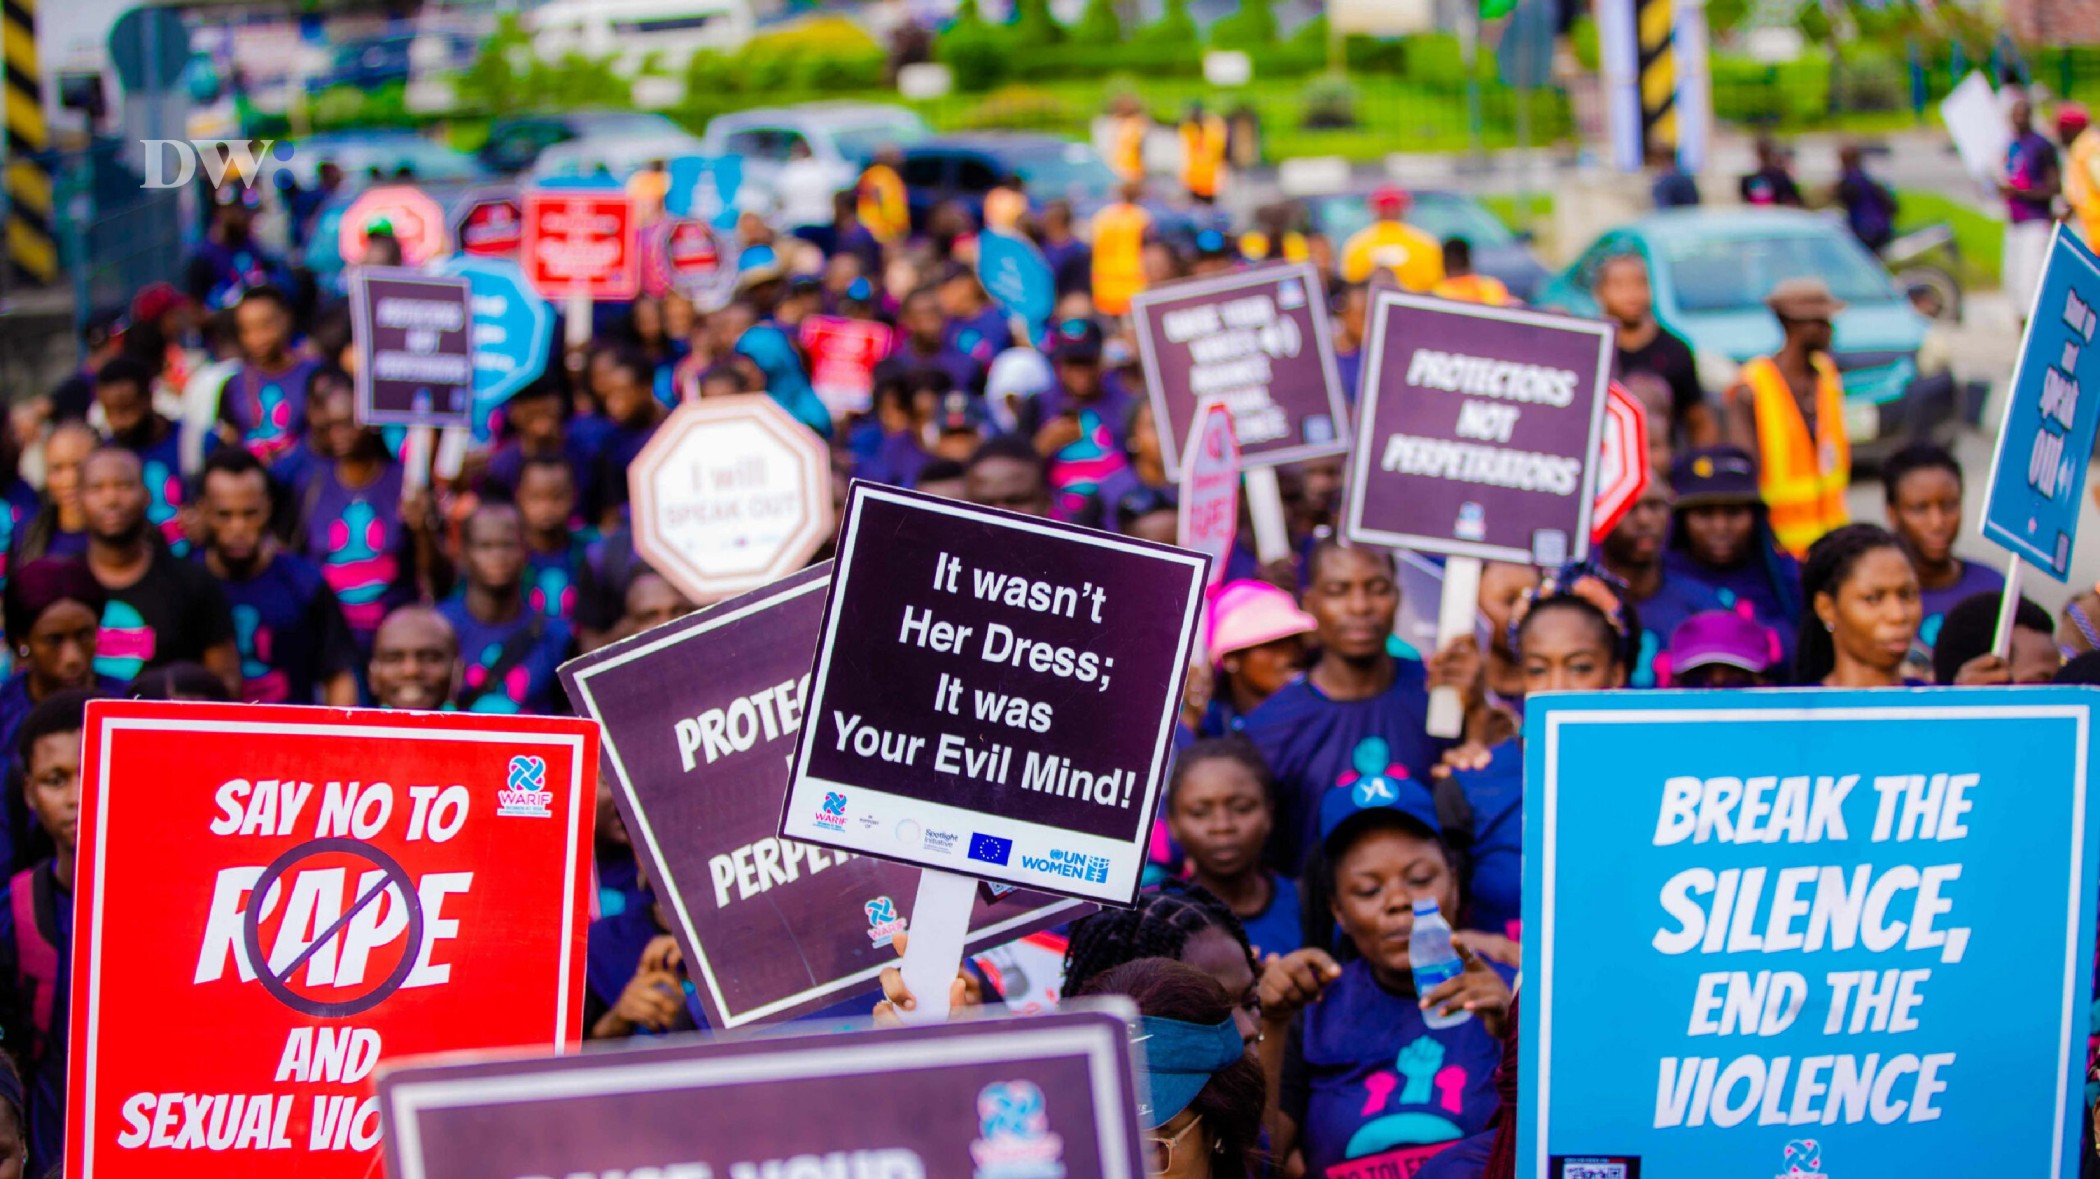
(1160, 926)
(1588, 589)
(1830, 561)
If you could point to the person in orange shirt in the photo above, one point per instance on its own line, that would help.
(2081, 169)
(1204, 139)
(1461, 284)
(1119, 250)
(1390, 243)
(880, 193)
(1127, 139)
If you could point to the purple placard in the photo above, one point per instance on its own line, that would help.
(1012, 680)
(1477, 430)
(1259, 341)
(998, 1099)
(699, 716)
(414, 335)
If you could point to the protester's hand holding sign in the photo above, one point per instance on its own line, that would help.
(1986, 669)
(1457, 664)
(653, 998)
(964, 991)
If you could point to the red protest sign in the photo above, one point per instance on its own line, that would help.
(1210, 487)
(424, 886)
(1622, 460)
(843, 354)
(581, 242)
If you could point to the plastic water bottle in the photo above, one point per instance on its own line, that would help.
(1434, 962)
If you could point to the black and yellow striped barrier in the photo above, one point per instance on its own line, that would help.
(1656, 30)
(32, 250)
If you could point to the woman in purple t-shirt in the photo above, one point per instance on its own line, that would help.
(1923, 488)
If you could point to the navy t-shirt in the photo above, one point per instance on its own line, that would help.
(1314, 744)
(551, 579)
(1276, 929)
(612, 954)
(45, 1079)
(1495, 878)
(1677, 599)
(1748, 586)
(290, 631)
(528, 684)
(1374, 1089)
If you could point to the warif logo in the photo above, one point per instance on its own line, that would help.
(245, 160)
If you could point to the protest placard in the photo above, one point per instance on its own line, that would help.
(1018, 278)
(1784, 924)
(406, 213)
(843, 354)
(705, 187)
(1477, 430)
(688, 257)
(273, 898)
(700, 715)
(1259, 341)
(2037, 484)
(489, 222)
(729, 494)
(1210, 488)
(579, 243)
(1036, 1098)
(513, 331)
(414, 337)
(1009, 679)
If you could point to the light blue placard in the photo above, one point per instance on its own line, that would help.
(706, 187)
(1018, 278)
(2038, 474)
(1935, 843)
(513, 331)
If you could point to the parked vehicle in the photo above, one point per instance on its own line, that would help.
(358, 153)
(516, 141)
(1711, 270)
(1497, 252)
(841, 136)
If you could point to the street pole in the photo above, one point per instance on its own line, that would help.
(1469, 52)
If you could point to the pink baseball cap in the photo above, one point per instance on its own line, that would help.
(1247, 614)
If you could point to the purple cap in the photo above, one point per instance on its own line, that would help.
(1724, 637)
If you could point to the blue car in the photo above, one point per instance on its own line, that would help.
(1711, 269)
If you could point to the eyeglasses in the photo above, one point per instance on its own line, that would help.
(1163, 1148)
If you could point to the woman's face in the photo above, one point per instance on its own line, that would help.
(1266, 668)
(1926, 512)
(1873, 614)
(1376, 883)
(1502, 586)
(1180, 1149)
(1719, 534)
(1566, 650)
(1221, 816)
(63, 454)
(1355, 599)
(1220, 955)
(62, 646)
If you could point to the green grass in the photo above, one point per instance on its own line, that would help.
(1979, 237)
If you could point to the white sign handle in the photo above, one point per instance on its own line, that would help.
(2008, 608)
(1265, 504)
(576, 319)
(940, 923)
(1454, 620)
(452, 452)
(415, 457)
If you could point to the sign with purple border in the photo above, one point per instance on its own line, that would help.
(1013, 679)
(1259, 341)
(1477, 430)
(415, 359)
(698, 717)
(1048, 1095)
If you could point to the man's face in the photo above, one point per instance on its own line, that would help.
(1081, 378)
(331, 425)
(124, 405)
(415, 661)
(923, 321)
(237, 511)
(1008, 483)
(495, 550)
(537, 421)
(262, 329)
(546, 498)
(1815, 334)
(1622, 291)
(113, 494)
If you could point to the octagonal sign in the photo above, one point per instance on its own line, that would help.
(731, 493)
(1622, 461)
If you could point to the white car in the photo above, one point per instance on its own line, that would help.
(618, 158)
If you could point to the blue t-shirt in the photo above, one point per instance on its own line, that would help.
(161, 465)
(1375, 1090)
(981, 336)
(1675, 600)
(1276, 929)
(268, 409)
(529, 684)
(290, 631)
(1495, 879)
(45, 1079)
(551, 578)
(1314, 744)
(612, 954)
(1748, 586)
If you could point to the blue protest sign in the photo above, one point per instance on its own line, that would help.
(1791, 933)
(1017, 277)
(705, 187)
(2038, 474)
(513, 330)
